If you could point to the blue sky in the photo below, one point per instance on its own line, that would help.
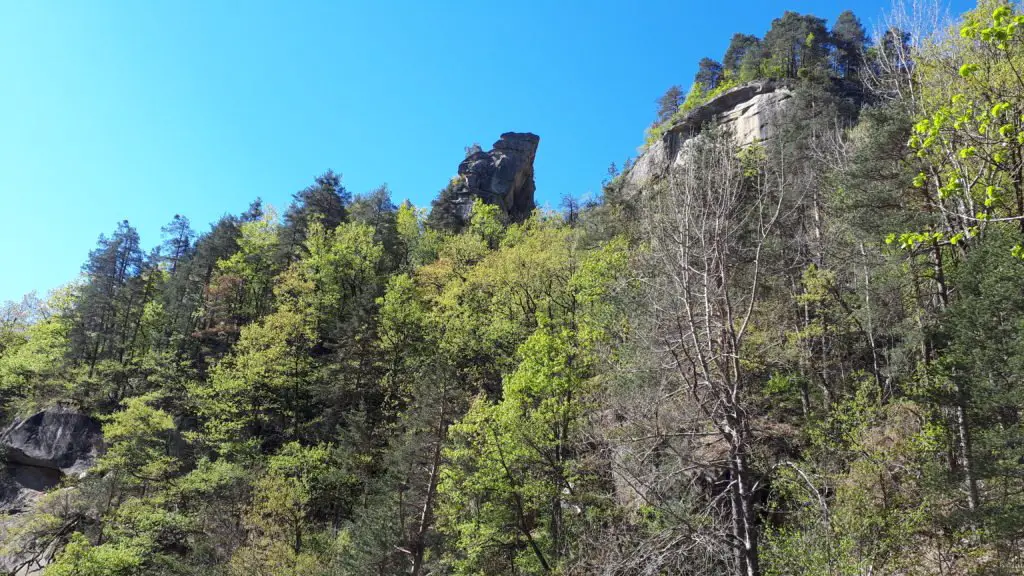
(140, 110)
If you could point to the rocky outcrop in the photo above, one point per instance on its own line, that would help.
(21, 488)
(21, 485)
(502, 176)
(749, 112)
(57, 438)
(36, 454)
(38, 451)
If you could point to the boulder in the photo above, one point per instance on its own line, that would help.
(503, 177)
(56, 438)
(36, 453)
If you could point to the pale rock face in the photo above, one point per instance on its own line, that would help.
(749, 112)
(752, 121)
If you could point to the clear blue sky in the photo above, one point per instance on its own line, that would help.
(140, 110)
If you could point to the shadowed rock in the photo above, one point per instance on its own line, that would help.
(503, 177)
(56, 438)
(36, 453)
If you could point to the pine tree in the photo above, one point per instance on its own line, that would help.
(709, 73)
(669, 103)
(326, 200)
(850, 41)
(111, 300)
(742, 46)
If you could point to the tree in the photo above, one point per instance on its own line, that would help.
(33, 360)
(511, 471)
(412, 244)
(110, 305)
(516, 465)
(375, 209)
(669, 102)
(850, 41)
(796, 44)
(267, 386)
(485, 223)
(708, 232)
(80, 558)
(445, 215)
(177, 246)
(262, 390)
(335, 281)
(972, 175)
(969, 130)
(241, 289)
(139, 439)
(185, 293)
(326, 200)
(280, 517)
(709, 73)
(742, 47)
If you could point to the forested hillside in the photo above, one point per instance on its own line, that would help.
(797, 356)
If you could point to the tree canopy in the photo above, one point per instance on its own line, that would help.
(800, 356)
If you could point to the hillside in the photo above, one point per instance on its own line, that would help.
(787, 340)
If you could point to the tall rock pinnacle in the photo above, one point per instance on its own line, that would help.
(503, 177)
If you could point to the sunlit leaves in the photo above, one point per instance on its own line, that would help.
(139, 437)
(968, 134)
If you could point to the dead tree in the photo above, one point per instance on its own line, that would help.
(708, 229)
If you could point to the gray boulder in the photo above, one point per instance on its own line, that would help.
(21, 486)
(36, 453)
(56, 438)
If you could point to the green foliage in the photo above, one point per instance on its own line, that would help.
(797, 46)
(79, 558)
(418, 243)
(138, 438)
(241, 290)
(261, 385)
(31, 365)
(821, 340)
(876, 508)
(485, 222)
(339, 265)
(285, 496)
(968, 134)
(696, 97)
(668, 104)
(510, 472)
(515, 465)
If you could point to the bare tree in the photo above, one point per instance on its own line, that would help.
(907, 28)
(708, 231)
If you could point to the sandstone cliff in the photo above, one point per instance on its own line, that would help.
(749, 111)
